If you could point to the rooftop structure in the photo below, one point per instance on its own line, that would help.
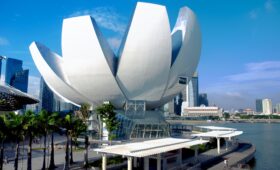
(13, 99)
(131, 75)
(202, 111)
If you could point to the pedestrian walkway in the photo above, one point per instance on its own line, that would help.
(244, 153)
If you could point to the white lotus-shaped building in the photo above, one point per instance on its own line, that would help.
(151, 65)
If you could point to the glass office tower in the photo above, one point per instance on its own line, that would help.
(15, 75)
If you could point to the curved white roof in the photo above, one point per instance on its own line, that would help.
(150, 62)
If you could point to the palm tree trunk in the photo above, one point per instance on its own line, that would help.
(86, 151)
(17, 155)
(29, 154)
(66, 165)
(45, 146)
(2, 155)
(71, 151)
(52, 164)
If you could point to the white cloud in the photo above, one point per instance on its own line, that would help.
(105, 17)
(115, 43)
(258, 80)
(258, 71)
(269, 5)
(253, 14)
(34, 86)
(4, 41)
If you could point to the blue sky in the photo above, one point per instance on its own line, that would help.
(240, 58)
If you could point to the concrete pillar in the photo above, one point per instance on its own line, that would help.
(146, 163)
(196, 153)
(164, 164)
(226, 144)
(129, 163)
(135, 162)
(218, 145)
(158, 162)
(179, 157)
(104, 162)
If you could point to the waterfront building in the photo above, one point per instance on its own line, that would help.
(277, 108)
(267, 106)
(202, 111)
(259, 106)
(15, 75)
(130, 80)
(46, 97)
(249, 111)
(192, 94)
(203, 99)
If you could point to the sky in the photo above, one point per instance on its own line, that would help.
(240, 58)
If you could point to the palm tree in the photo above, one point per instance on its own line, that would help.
(108, 116)
(44, 118)
(16, 125)
(77, 129)
(67, 125)
(31, 127)
(3, 136)
(54, 123)
(83, 114)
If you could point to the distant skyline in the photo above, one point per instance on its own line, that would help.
(240, 58)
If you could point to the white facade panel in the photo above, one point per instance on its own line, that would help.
(188, 56)
(86, 56)
(49, 65)
(150, 63)
(146, 56)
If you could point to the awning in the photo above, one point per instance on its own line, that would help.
(220, 134)
(150, 147)
(217, 128)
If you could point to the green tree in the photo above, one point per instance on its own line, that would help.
(54, 124)
(3, 137)
(77, 129)
(31, 127)
(67, 124)
(83, 113)
(16, 124)
(226, 115)
(46, 121)
(108, 116)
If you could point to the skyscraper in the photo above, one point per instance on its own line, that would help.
(259, 106)
(46, 97)
(277, 108)
(203, 99)
(192, 91)
(267, 106)
(15, 75)
(1, 58)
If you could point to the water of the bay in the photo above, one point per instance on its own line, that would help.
(266, 138)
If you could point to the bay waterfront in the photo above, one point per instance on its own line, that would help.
(266, 138)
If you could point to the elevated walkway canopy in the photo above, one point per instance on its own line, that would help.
(150, 147)
(218, 133)
(216, 128)
(13, 99)
(145, 149)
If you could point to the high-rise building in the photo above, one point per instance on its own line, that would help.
(267, 106)
(203, 99)
(277, 107)
(259, 106)
(192, 91)
(15, 75)
(46, 97)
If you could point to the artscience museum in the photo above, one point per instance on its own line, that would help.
(150, 69)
